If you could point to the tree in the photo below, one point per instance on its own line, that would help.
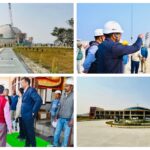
(71, 22)
(64, 35)
(60, 34)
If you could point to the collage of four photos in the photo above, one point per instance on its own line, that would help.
(74, 78)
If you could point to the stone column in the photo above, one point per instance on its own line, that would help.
(144, 115)
(123, 114)
(130, 115)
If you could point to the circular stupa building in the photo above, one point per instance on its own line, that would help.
(10, 35)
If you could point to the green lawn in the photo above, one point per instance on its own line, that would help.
(14, 142)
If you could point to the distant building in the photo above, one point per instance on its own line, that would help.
(10, 35)
(128, 113)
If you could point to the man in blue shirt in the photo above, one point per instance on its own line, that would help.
(55, 105)
(90, 52)
(144, 53)
(109, 56)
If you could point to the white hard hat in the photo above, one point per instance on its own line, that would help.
(112, 27)
(98, 32)
(57, 92)
(69, 81)
(79, 43)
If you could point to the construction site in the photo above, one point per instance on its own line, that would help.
(18, 53)
(11, 35)
(130, 34)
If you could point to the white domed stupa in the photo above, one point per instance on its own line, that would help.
(10, 35)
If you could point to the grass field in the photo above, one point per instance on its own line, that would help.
(130, 122)
(56, 60)
(14, 142)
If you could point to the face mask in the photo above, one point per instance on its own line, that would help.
(117, 38)
(102, 39)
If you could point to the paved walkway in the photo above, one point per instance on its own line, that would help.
(97, 133)
(9, 62)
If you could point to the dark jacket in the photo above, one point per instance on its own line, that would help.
(31, 103)
(109, 56)
(14, 101)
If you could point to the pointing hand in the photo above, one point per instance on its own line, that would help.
(141, 36)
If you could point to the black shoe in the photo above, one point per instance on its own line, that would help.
(18, 137)
(51, 136)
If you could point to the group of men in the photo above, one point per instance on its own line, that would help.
(106, 53)
(24, 107)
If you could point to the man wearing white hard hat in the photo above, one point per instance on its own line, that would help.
(55, 104)
(65, 115)
(79, 55)
(90, 52)
(109, 56)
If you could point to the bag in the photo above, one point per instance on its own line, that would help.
(80, 55)
(54, 123)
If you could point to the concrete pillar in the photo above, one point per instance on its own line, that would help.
(130, 115)
(123, 114)
(120, 115)
(144, 115)
(104, 114)
(109, 114)
(114, 114)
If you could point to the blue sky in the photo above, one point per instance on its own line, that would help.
(92, 16)
(112, 92)
(37, 20)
